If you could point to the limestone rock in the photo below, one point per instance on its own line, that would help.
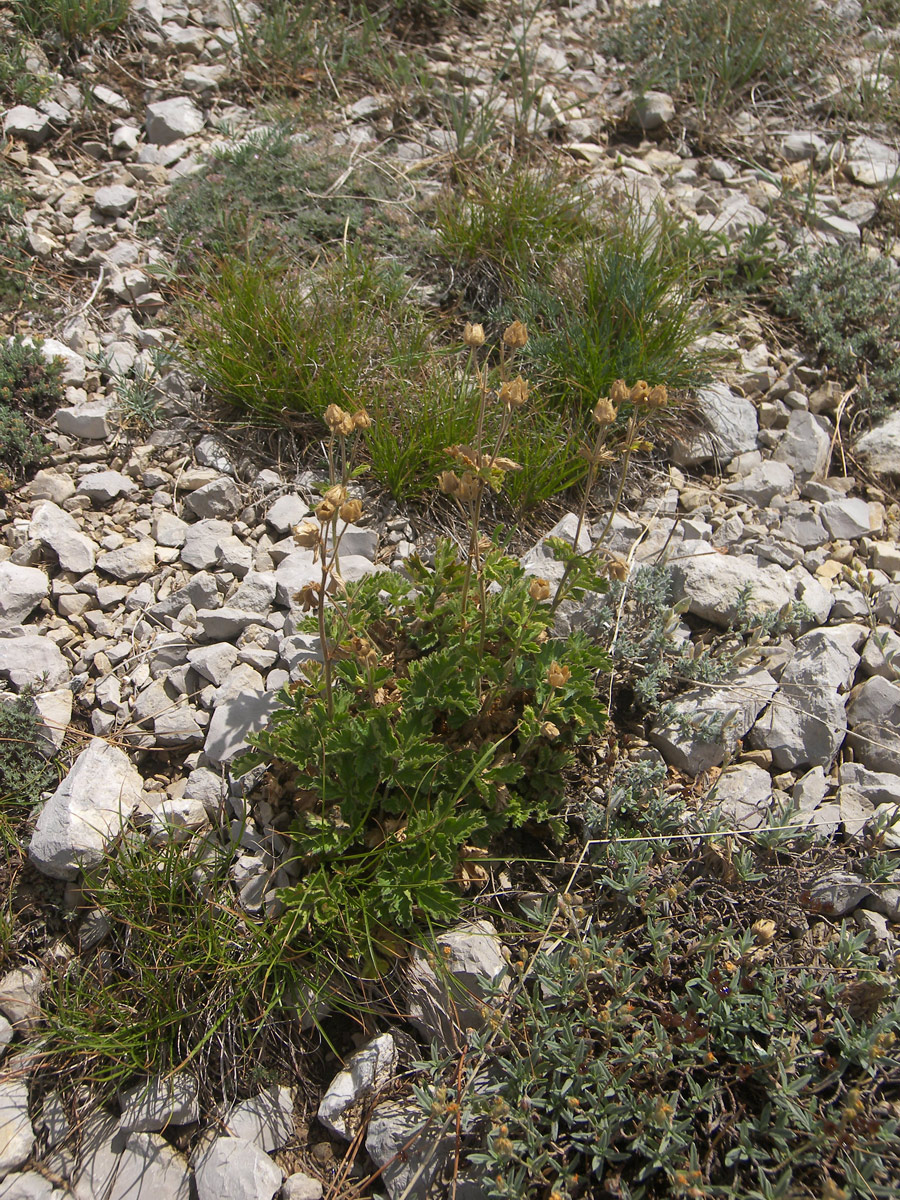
(368, 1070)
(743, 795)
(16, 1133)
(30, 660)
(234, 1169)
(731, 427)
(170, 120)
(21, 591)
(266, 1120)
(469, 960)
(711, 720)
(85, 812)
(58, 530)
(154, 1105)
(880, 447)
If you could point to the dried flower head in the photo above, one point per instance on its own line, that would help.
(639, 392)
(468, 486)
(448, 482)
(346, 426)
(604, 411)
(336, 494)
(306, 534)
(515, 336)
(351, 510)
(617, 570)
(334, 414)
(514, 393)
(361, 419)
(657, 397)
(325, 511)
(557, 676)
(619, 392)
(539, 589)
(473, 335)
(308, 596)
(763, 931)
(549, 730)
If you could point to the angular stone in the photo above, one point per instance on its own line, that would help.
(179, 727)
(540, 559)
(711, 720)
(89, 421)
(256, 593)
(714, 583)
(875, 701)
(102, 487)
(129, 563)
(856, 811)
(470, 961)
(170, 120)
(20, 997)
(871, 162)
(29, 660)
(216, 500)
(115, 200)
(838, 893)
(233, 721)
(242, 679)
(266, 1120)
(804, 446)
(50, 485)
(28, 1185)
(731, 427)
(234, 1169)
(743, 795)
(806, 723)
(21, 591)
(393, 1146)
(201, 543)
(85, 812)
(16, 1133)
(26, 123)
(651, 110)
(879, 449)
(213, 662)
(52, 526)
(847, 519)
(368, 1070)
(158, 1103)
(286, 512)
(764, 483)
(879, 787)
(294, 573)
(301, 1186)
(222, 624)
(74, 368)
(355, 541)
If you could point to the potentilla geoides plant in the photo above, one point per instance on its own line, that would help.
(334, 512)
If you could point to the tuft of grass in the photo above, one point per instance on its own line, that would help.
(712, 52)
(846, 306)
(183, 979)
(503, 232)
(623, 309)
(72, 20)
(29, 387)
(269, 195)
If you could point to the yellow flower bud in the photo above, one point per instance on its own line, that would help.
(306, 534)
(640, 392)
(539, 589)
(515, 336)
(514, 393)
(333, 416)
(448, 482)
(468, 486)
(763, 931)
(558, 675)
(351, 510)
(604, 411)
(336, 495)
(473, 335)
(658, 396)
(619, 392)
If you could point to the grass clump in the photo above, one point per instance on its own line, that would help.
(182, 979)
(846, 306)
(25, 770)
(268, 195)
(502, 233)
(713, 52)
(72, 20)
